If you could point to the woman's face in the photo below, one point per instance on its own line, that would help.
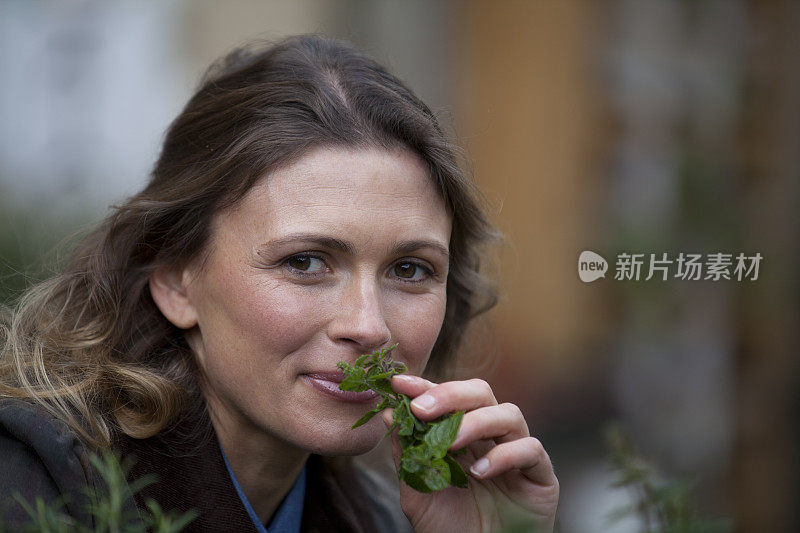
(332, 257)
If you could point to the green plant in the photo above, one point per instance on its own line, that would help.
(662, 506)
(107, 508)
(426, 465)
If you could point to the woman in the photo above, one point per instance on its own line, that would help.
(305, 209)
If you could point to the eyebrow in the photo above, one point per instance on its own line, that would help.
(405, 247)
(401, 247)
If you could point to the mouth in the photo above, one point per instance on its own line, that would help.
(328, 384)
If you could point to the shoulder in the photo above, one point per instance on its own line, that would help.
(384, 496)
(42, 458)
(376, 474)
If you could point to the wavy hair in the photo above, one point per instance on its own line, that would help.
(90, 344)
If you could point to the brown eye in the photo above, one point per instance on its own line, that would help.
(300, 262)
(306, 263)
(411, 271)
(405, 270)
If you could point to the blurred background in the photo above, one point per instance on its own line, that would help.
(635, 126)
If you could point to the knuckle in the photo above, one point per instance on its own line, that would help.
(536, 446)
(512, 409)
(442, 392)
(502, 454)
(481, 384)
(535, 443)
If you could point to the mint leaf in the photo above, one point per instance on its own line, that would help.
(403, 418)
(442, 434)
(369, 414)
(457, 475)
(426, 465)
(354, 380)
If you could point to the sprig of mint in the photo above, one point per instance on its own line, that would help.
(425, 463)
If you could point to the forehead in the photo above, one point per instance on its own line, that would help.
(347, 190)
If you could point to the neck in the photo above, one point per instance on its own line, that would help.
(265, 466)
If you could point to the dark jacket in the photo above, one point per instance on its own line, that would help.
(41, 456)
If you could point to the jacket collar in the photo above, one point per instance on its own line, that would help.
(191, 474)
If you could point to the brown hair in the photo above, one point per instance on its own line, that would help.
(91, 345)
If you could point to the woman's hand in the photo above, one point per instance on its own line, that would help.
(511, 476)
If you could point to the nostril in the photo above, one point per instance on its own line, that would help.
(367, 343)
(366, 336)
(360, 319)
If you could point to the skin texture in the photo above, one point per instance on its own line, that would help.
(336, 255)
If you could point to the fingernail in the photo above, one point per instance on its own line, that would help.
(480, 467)
(407, 379)
(424, 402)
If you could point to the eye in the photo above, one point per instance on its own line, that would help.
(307, 264)
(410, 271)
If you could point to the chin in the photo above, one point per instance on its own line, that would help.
(338, 441)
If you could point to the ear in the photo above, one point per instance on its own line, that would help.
(169, 293)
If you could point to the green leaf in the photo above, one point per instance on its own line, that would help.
(369, 414)
(366, 418)
(403, 418)
(437, 475)
(398, 366)
(413, 460)
(380, 385)
(443, 433)
(344, 367)
(425, 463)
(414, 481)
(106, 506)
(360, 360)
(355, 381)
(457, 475)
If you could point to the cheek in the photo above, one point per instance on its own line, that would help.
(281, 316)
(416, 326)
(247, 317)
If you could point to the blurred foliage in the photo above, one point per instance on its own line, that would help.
(30, 240)
(660, 505)
(108, 509)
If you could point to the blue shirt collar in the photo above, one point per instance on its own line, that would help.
(287, 516)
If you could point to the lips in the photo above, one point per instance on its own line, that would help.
(328, 384)
(334, 377)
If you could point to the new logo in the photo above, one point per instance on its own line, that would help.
(591, 266)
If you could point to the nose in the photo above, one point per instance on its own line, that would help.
(359, 319)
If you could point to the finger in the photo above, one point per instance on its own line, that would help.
(388, 416)
(477, 449)
(411, 386)
(502, 423)
(528, 455)
(453, 396)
